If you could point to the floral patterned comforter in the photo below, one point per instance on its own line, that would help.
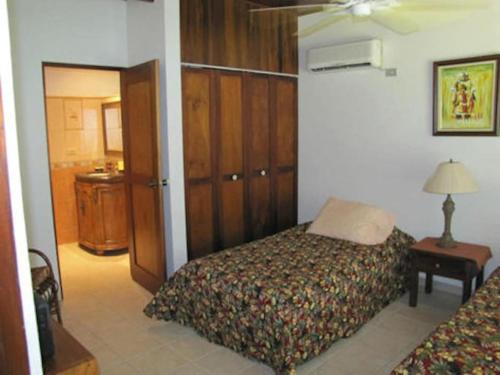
(467, 344)
(286, 298)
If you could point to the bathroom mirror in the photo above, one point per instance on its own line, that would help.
(112, 125)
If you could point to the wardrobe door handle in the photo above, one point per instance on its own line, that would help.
(263, 172)
(234, 177)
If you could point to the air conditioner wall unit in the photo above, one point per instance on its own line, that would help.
(346, 56)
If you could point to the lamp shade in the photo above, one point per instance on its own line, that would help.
(451, 178)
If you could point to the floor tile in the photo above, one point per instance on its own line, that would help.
(159, 361)
(224, 362)
(103, 310)
(258, 369)
(119, 369)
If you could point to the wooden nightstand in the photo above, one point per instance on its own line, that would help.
(463, 262)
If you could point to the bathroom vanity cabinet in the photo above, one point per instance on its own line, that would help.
(102, 213)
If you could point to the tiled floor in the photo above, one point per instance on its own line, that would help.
(103, 310)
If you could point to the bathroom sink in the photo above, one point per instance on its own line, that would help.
(99, 174)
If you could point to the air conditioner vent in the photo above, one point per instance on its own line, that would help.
(346, 56)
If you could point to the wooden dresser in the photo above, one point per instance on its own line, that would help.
(102, 214)
(70, 357)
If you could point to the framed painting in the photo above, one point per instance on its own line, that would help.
(466, 96)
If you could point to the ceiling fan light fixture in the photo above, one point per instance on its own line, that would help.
(362, 10)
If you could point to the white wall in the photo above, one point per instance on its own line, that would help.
(16, 201)
(154, 33)
(366, 137)
(81, 82)
(71, 31)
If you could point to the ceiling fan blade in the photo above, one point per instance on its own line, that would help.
(321, 7)
(425, 6)
(394, 21)
(323, 24)
(445, 5)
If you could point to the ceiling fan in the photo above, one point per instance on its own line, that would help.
(400, 16)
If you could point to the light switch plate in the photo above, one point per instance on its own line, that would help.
(391, 72)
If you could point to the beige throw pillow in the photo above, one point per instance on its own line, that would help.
(353, 221)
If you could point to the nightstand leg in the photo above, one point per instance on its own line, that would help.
(428, 282)
(413, 284)
(480, 278)
(467, 283)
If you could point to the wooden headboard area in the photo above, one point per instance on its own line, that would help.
(225, 33)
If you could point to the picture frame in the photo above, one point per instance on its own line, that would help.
(466, 96)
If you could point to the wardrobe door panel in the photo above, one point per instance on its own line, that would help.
(284, 135)
(199, 161)
(258, 121)
(286, 215)
(260, 208)
(232, 213)
(285, 122)
(257, 115)
(201, 227)
(197, 119)
(230, 159)
(230, 124)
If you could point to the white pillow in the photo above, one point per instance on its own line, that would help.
(353, 221)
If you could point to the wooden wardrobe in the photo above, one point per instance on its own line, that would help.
(240, 157)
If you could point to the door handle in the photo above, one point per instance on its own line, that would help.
(154, 183)
(263, 172)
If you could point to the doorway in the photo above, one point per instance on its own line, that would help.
(103, 143)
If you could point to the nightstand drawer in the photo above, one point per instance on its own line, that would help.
(449, 267)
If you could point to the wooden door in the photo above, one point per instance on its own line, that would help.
(230, 153)
(13, 350)
(198, 93)
(284, 140)
(258, 150)
(140, 115)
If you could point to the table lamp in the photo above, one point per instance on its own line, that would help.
(450, 178)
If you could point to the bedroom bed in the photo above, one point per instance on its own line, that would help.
(469, 343)
(286, 298)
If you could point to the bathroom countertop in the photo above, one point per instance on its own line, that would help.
(100, 177)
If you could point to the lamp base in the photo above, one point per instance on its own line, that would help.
(446, 242)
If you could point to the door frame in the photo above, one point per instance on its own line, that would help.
(46, 64)
(14, 354)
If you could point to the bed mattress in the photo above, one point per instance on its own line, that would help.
(286, 298)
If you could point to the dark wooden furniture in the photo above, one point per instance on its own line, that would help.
(70, 357)
(429, 258)
(45, 283)
(13, 348)
(102, 214)
(240, 157)
(226, 33)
